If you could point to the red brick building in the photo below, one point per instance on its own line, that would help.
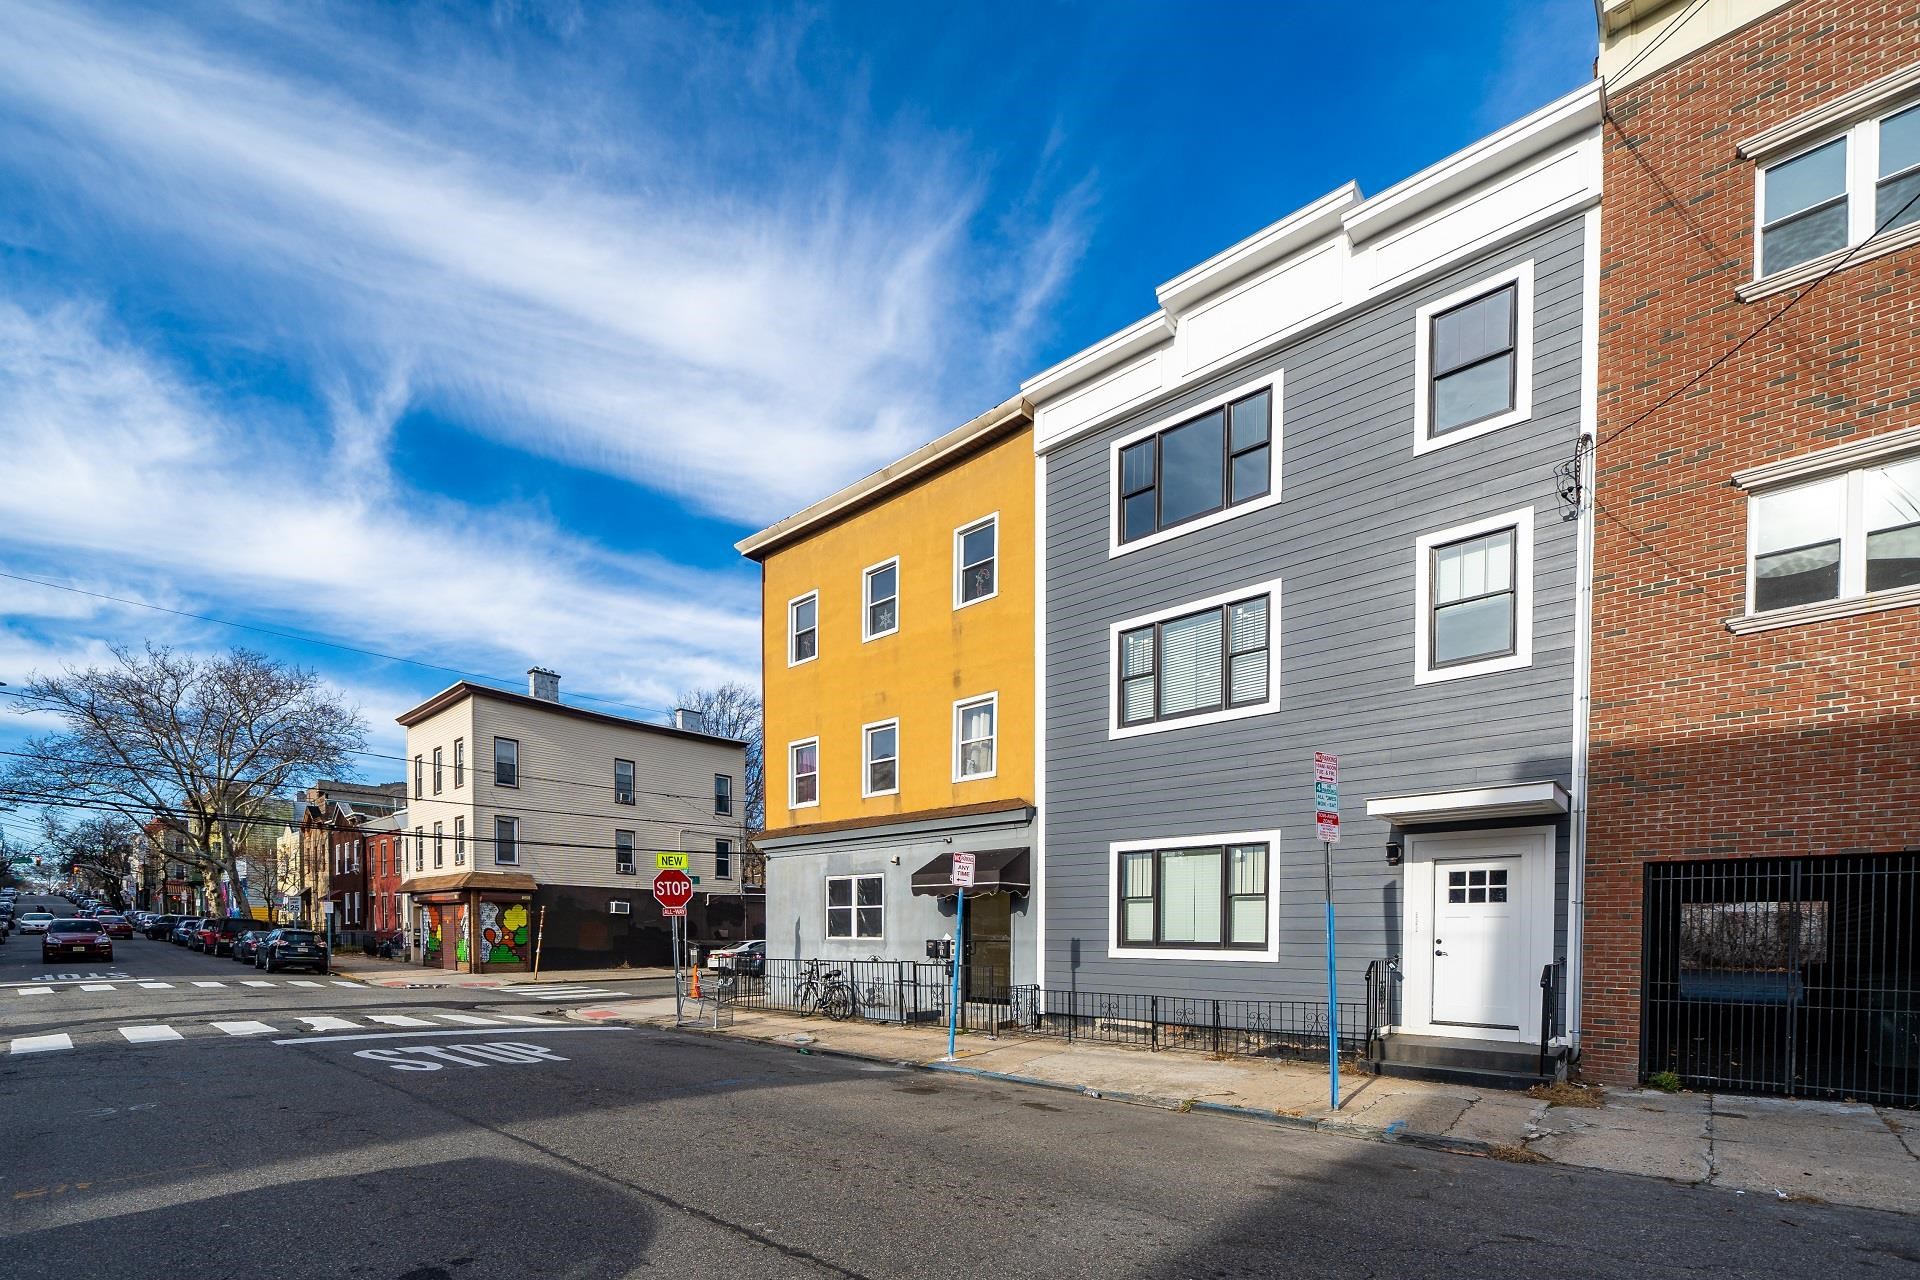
(386, 909)
(1750, 916)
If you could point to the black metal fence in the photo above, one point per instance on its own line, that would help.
(1796, 976)
(913, 992)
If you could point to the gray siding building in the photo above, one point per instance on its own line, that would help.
(1315, 503)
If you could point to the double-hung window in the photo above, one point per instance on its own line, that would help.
(803, 628)
(1202, 466)
(439, 848)
(437, 773)
(1473, 597)
(855, 906)
(1473, 359)
(880, 592)
(623, 781)
(623, 853)
(976, 727)
(506, 762)
(803, 773)
(419, 777)
(723, 794)
(1841, 191)
(1209, 660)
(506, 841)
(1210, 895)
(976, 561)
(459, 763)
(723, 859)
(1842, 537)
(419, 848)
(460, 841)
(882, 760)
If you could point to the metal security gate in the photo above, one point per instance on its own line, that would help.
(1785, 975)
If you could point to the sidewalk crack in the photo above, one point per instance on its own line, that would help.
(1713, 1160)
(1898, 1132)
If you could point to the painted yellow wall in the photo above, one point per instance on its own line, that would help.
(939, 655)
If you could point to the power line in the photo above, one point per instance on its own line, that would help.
(300, 639)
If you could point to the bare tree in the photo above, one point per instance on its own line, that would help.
(734, 711)
(206, 745)
(99, 850)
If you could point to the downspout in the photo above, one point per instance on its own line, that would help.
(1583, 627)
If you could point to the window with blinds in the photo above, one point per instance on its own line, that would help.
(1211, 660)
(1207, 897)
(975, 729)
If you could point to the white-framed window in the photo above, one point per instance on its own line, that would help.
(1207, 897)
(723, 859)
(419, 848)
(460, 841)
(1199, 662)
(723, 793)
(880, 599)
(1473, 598)
(976, 728)
(1849, 536)
(803, 773)
(1473, 360)
(881, 756)
(622, 781)
(803, 628)
(459, 763)
(976, 561)
(506, 762)
(1206, 464)
(439, 848)
(856, 906)
(623, 853)
(437, 773)
(1839, 191)
(419, 777)
(506, 842)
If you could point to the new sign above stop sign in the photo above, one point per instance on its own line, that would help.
(673, 889)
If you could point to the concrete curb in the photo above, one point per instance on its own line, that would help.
(1392, 1134)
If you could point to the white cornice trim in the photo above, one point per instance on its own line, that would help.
(1813, 268)
(1825, 611)
(1559, 121)
(1270, 244)
(1833, 114)
(1142, 335)
(1841, 457)
(1518, 799)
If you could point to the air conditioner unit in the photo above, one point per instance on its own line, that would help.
(620, 908)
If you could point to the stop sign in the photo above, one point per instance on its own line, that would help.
(672, 889)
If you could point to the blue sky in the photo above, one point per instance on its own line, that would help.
(480, 333)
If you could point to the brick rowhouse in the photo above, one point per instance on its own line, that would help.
(1705, 743)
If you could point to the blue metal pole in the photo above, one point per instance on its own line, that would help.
(1333, 1002)
(953, 1004)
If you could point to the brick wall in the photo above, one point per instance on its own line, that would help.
(1705, 743)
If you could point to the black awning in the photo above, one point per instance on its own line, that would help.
(994, 871)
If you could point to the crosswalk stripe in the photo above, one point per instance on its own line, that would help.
(209, 984)
(581, 995)
(96, 986)
(41, 1044)
(155, 986)
(150, 1034)
(524, 1017)
(32, 991)
(255, 982)
(470, 1019)
(302, 982)
(331, 1024)
(245, 1028)
(397, 1020)
(342, 982)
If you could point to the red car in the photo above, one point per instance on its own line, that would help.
(116, 926)
(69, 938)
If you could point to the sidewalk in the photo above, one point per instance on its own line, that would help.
(399, 973)
(1812, 1151)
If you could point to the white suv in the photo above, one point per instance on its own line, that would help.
(36, 921)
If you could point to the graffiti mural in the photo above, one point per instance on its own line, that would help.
(503, 934)
(431, 950)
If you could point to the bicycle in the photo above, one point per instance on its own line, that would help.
(828, 990)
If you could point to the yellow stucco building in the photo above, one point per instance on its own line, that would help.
(898, 655)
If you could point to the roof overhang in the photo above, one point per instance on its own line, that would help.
(1513, 800)
(994, 871)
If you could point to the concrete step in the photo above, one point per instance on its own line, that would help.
(1477, 1077)
(1458, 1051)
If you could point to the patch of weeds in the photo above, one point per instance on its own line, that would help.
(1514, 1153)
(1186, 1105)
(1562, 1093)
(1665, 1082)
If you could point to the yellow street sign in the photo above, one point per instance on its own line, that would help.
(670, 861)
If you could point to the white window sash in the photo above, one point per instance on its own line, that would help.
(991, 702)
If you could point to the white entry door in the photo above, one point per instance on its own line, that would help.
(1479, 965)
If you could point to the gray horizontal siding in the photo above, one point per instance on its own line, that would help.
(1354, 498)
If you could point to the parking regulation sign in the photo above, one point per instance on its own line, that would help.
(962, 870)
(1326, 796)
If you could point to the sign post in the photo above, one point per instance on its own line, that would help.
(961, 879)
(673, 890)
(1326, 821)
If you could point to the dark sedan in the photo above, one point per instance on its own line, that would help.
(116, 926)
(158, 927)
(67, 939)
(247, 945)
(182, 930)
(292, 949)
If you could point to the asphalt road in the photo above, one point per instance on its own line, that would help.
(517, 1143)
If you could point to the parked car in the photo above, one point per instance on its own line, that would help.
(292, 949)
(247, 945)
(36, 921)
(746, 957)
(158, 927)
(216, 933)
(82, 937)
(116, 926)
(182, 930)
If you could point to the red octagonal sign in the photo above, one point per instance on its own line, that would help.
(672, 889)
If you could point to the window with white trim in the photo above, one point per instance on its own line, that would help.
(460, 841)
(880, 590)
(1473, 596)
(459, 763)
(882, 758)
(856, 906)
(803, 628)
(1840, 192)
(622, 781)
(723, 793)
(419, 848)
(506, 842)
(975, 726)
(439, 848)
(1841, 537)
(976, 562)
(623, 853)
(437, 774)
(723, 859)
(803, 773)
(419, 777)
(1199, 897)
(1213, 659)
(1206, 464)
(506, 762)
(1475, 356)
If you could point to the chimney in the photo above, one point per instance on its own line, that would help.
(543, 684)
(689, 719)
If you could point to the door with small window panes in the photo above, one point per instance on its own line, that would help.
(1478, 967)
